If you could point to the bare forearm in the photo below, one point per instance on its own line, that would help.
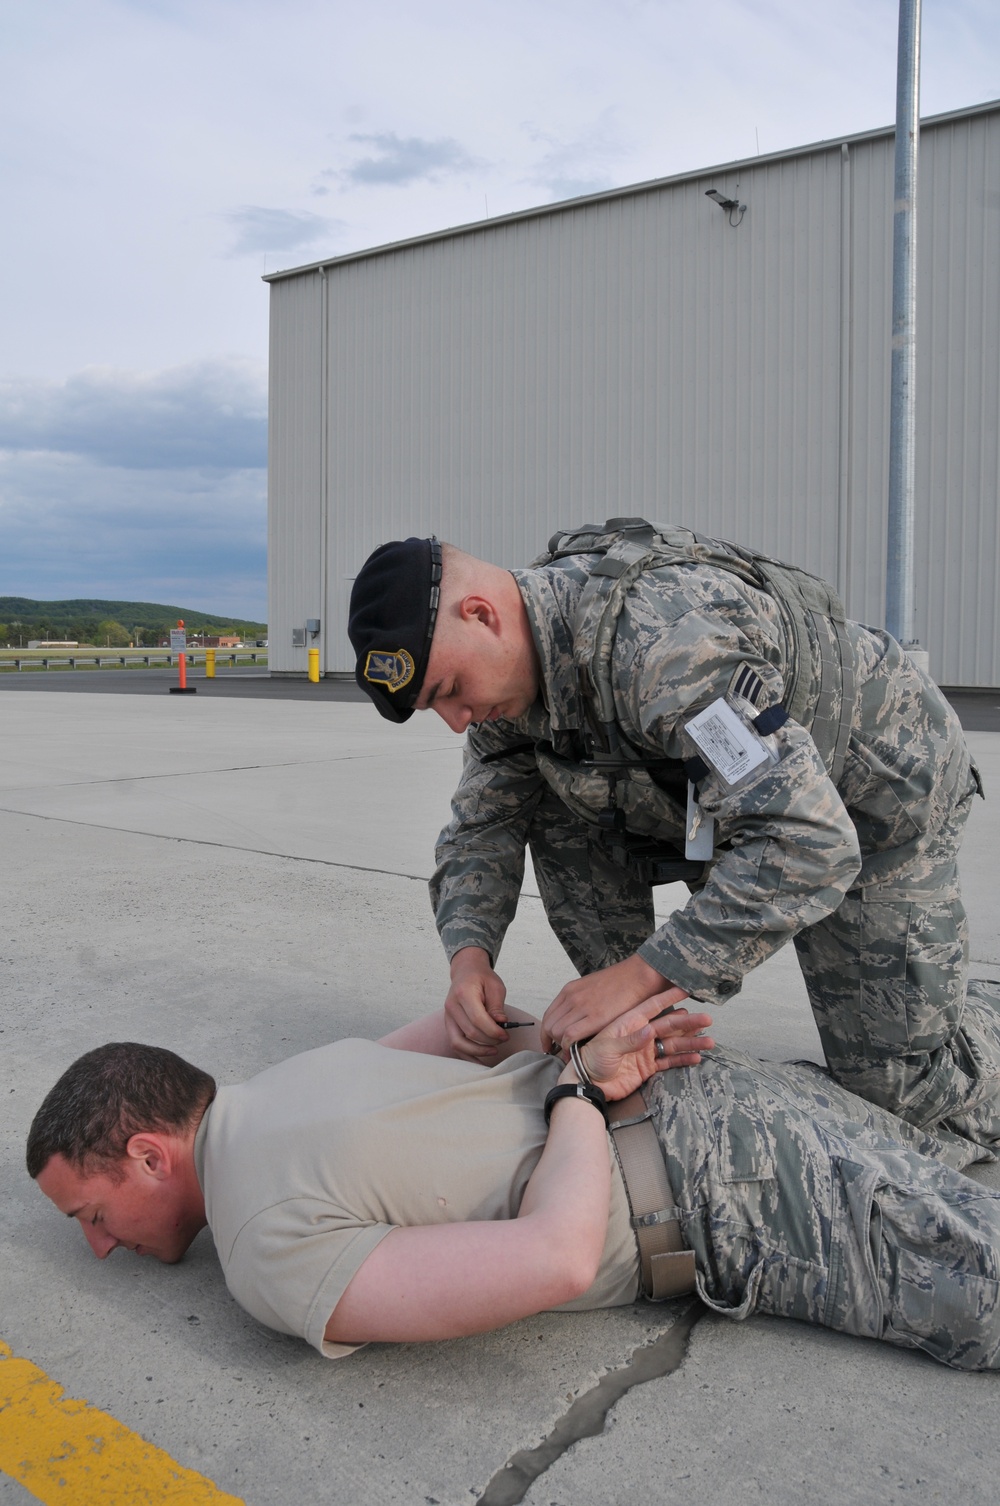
(569, 1192)
(447, 1281)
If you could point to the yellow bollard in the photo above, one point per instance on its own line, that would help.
(210, 664)
(314, 666)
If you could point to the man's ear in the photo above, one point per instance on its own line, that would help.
(474, 608)
(152, 1152)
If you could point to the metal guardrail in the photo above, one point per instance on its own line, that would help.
(11, 660)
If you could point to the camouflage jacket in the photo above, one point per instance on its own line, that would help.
(788, 844)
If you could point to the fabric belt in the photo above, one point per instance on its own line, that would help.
(667, 1268)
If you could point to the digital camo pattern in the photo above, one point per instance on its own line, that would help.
(801, 1201)
(495, 807)
(861, 876)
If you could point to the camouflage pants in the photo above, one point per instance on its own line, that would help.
(802, 1201)
(886, 972)
(898, 1022)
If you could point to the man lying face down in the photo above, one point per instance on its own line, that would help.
(387, 1191)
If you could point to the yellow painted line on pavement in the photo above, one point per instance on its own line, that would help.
(68, 1453)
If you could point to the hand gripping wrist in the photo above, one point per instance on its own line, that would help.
(588, 1091)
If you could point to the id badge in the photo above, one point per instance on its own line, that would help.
(726, 742)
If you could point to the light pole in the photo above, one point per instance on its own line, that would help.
(899, 609)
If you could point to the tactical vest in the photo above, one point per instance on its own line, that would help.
(819, 691)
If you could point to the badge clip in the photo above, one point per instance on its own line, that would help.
(699, 830)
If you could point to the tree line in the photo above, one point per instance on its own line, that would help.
(104, 634)
(109, 624)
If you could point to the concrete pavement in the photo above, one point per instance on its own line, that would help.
(979, 709)
(240, 879)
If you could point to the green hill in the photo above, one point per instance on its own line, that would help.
(22, 618)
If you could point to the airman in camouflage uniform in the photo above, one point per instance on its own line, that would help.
(859, 869)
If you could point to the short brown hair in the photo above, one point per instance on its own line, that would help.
(109, 1095)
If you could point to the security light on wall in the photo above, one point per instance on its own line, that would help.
(731, 206)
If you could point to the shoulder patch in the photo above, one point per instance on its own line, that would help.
(747, 684)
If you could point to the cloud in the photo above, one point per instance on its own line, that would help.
(261, 229)
(399, 160)
(140, 486)
(570, 169)
(190, 538)
(574, 188)
(208, 414)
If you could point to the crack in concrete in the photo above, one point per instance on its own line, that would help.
(588, 1414)
(236, 768)
(263, 852)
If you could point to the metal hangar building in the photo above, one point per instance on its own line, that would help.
(650, 351)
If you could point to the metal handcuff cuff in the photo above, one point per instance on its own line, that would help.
(576, 1060)
(586, 1087)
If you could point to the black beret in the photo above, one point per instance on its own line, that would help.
(394, 607)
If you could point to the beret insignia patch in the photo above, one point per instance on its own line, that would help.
(393, 670)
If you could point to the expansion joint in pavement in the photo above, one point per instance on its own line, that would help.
(588, 1414)
(262, 852)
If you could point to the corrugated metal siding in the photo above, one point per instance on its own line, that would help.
(870, 235)
(957, 545)
(295, 585)
(958, 355)
(639, 354)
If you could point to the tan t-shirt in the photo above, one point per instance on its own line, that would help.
(306, 1167)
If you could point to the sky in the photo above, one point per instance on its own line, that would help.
(158, 156)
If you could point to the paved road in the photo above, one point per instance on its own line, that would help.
(978, 709)
(241, 880)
